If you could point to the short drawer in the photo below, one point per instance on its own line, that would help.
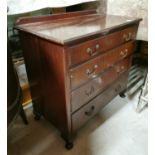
(86, 92)
(80, 117)
(123, 65)
(89, 49)
(86, 71)
(91, 69)
(118, 54)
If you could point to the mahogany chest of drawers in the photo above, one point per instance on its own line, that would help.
(76, 63)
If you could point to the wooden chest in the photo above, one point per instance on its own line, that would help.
(76, 63)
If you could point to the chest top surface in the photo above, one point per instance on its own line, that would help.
(69, 29)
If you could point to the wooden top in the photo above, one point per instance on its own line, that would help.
(63, 31)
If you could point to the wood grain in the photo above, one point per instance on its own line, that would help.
(69, 84)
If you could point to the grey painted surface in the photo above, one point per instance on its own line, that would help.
(116, 130)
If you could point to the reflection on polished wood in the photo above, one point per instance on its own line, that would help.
(68, 29)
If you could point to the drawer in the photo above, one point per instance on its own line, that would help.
(86, 92)
(86, 71)
(123, 65)
(91, 69)
(80, 117)
(119, 53)
(89, 49)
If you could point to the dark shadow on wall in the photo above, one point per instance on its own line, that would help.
(100, 5)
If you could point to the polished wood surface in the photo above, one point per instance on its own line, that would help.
(76, 64)
(26, 20)
(91, 48)
(33, 68)
(47, 74)
(71, 29)
(90, 69)
(56, 83)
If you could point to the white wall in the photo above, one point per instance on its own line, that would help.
(133, 8)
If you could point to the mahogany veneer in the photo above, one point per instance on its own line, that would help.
(76, 63)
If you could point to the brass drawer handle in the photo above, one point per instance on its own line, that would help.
(97, 46)
(128, 36)
(71, 76)
(90, 111)
(88, 93)
(120, 70)
(124, 54)
(91, 52)
(122, 67)
(110, 65)
(90, 72)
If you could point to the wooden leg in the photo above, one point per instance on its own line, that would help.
(23, 115)
(69, 142)
(69, 145)
(36, 111)
(122, 95)
(37, 116)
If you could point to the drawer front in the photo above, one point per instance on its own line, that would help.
(86, 92)
(80, 117)
(90, 69)
(123, 65)
(118, 54)
(86, 71)
(89, 49)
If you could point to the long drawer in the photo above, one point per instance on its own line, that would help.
(86, 92)
(89, 110)
(90, 69)
(89, 49)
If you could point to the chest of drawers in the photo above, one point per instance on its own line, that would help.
(76, 63)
